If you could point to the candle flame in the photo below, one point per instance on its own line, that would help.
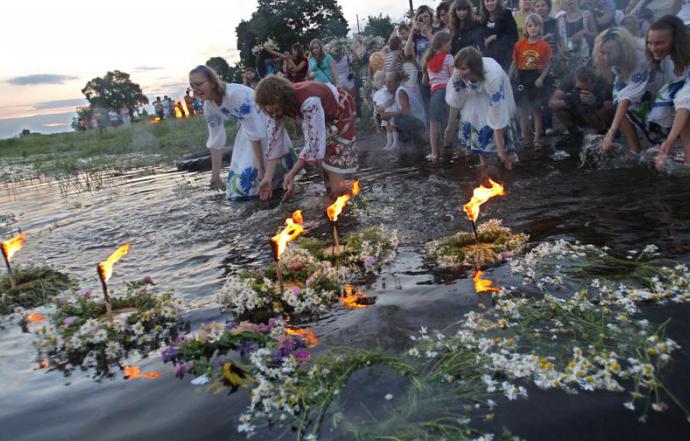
(352, 300)
(483, 285)
(11, 246)
(105, 269)
(336, 207)
(291, 232)
(132, 372)
(34, 317)
(307, 335)
(480, 195)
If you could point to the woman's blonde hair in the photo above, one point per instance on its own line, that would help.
(534, 19)
(626, 48)
(437, 42)
(276, 90)
(212, 77)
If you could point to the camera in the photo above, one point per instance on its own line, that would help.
(571, 99)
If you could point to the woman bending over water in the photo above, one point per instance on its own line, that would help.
(327, 116)
(249, 168)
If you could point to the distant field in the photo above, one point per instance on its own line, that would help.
(144, 144)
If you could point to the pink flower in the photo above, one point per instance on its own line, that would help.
(302, 356)
(295, 266)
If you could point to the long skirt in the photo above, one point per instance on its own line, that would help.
(243, 176)
(341, 150)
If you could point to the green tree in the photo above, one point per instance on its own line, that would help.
(220, 66)
(379, 26)
(114, 91)
(290, 21)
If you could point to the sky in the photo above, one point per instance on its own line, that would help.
(50, 49)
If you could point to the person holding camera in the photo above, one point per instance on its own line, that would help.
(583, 101)
(419, 42)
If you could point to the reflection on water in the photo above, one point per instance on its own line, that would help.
(186, 237)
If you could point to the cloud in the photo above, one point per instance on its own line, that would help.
(146, 68)
(27, 80)
(56, 104)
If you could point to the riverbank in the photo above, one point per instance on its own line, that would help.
(142, 145)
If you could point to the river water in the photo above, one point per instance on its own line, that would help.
(188, 238)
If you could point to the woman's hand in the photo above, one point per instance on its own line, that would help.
(577, 36)
(288, 185)
(265, 189)
(539, 83)
(448, 135)
(662, 156)
(490, 39)
(217, 184)
(607, 141)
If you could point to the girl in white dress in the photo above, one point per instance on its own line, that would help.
(620, 59)
(480, 90)
(249, 167)
(668, 46)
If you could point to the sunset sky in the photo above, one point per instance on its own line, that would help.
(51, 49)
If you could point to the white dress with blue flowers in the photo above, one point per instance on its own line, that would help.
(484, 107)
(243, 176)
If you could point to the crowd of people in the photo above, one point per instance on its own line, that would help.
(462, 74)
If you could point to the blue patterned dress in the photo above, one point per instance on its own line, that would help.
(243, 176)
(673, 92)
(484, 107)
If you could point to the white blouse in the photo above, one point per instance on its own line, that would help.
(238, 105)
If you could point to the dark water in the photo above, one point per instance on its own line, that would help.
(188, 238)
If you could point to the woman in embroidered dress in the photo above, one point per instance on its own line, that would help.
(620, 59)
(668, 47)
(327, 117)
(480, 90)
(248, 167)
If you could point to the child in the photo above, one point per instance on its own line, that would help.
(532, 60)
(520, 16)
(384, 102)
(249, 77)
(438, 66)
(393, 55)
(410, 73)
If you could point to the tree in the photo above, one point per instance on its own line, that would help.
(379, 26)
(220, 66)
(290, 21)
(114, 91)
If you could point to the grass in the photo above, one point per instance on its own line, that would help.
(35, 287)
(143, 144)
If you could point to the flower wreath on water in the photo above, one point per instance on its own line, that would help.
(78, 335)
(310, 288)
(35, 286)
(366, 251)
(218, 354)
(496, 244)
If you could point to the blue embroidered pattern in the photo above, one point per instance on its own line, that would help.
(484, 137)
(247, 178)
(499, 95)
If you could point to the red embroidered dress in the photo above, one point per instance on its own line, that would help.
(328, 122)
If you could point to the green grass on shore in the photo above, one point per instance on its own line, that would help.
(143, 144)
